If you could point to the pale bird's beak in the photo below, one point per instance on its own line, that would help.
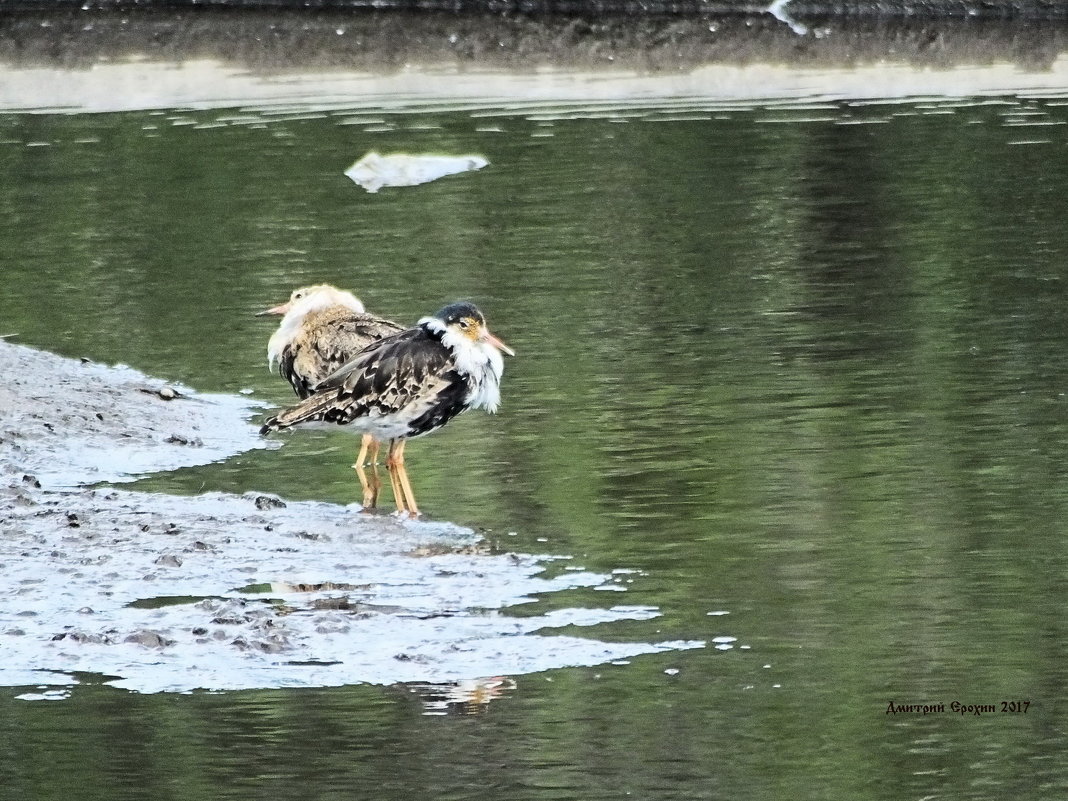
(488, 337)
(276, 310)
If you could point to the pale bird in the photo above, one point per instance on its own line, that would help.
(322, 328)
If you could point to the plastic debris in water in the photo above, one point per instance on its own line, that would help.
(374, 170)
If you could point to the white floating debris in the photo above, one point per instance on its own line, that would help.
(50, 695)
(778, 10)
(721, 612)
(724, 639)
(375, 171)
(672, 671)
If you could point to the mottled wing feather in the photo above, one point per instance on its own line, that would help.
(389, 375)
(333, 338)
(373, 328)
(287, 368)
(449, 401)
(411, 375)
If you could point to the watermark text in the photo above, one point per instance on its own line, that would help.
(959, 708)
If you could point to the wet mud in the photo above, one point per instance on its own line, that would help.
(107, 58)
(71, 422)
(160, 593)
(272, 38)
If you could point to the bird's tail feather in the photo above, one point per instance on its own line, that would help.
(312, 409)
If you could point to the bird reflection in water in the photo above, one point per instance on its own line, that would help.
(467, 697)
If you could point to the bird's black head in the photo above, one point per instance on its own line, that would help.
(464, 320)
(463, 310)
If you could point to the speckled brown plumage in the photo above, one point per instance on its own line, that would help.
(325, 342)
(322, 328)
(402, 386)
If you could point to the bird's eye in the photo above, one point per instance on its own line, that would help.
(298, 295)
(464, 325)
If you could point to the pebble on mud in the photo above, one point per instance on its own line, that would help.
(149, 639)
(165, 393)
(82, 637)
(270, 645)
(178, 439)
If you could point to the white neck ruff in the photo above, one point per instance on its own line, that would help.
(480, 362)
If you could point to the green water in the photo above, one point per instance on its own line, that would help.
(807, 372)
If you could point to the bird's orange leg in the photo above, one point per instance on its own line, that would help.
(370, 486)
(367, 443)
(391, 465)
(374, 484)
(402, 487)
(406, 485)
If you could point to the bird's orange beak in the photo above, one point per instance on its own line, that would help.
(276, 310)
(490, 338)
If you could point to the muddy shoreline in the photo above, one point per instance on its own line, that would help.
(73, 422)
(161, 593)
(107, 59)
(279, 38)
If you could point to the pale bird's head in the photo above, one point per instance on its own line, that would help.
(301, 303)
(313, 298)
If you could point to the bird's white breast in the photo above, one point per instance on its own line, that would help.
(483, 366)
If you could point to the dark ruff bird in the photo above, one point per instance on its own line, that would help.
(409, 384)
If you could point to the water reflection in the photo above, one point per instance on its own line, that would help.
(471, 697)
